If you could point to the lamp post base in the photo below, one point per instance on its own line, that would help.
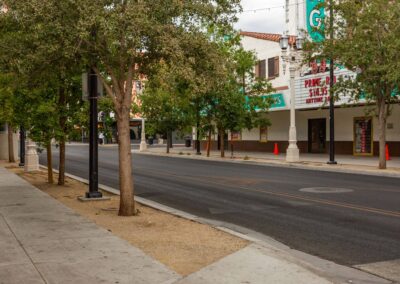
(31, 158)
(93, 194)
(93, 197)
(332, 163)
(292, 154)
(143, 146)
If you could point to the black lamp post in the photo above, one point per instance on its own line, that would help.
(331, 98)
(93, 138)
(22, 146)
(198, 152)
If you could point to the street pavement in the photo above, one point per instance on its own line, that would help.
(349, 219)
(42, 241)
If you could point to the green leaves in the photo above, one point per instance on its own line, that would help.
(166, 102)
(366, 40)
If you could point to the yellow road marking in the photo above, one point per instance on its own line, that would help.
(299, 197)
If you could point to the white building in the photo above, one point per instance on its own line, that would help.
(355, 125)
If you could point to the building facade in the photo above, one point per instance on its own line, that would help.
(356, 125)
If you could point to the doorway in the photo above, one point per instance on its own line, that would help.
(317, 135)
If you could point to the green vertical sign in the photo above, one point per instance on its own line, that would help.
(315, 19)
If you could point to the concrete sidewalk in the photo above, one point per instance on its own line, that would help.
(346, 163)
(42, 241)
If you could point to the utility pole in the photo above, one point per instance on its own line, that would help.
(331, 95)
(93, 138)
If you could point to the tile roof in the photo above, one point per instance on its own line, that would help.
(268, 36)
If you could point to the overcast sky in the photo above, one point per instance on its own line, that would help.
(268, 21)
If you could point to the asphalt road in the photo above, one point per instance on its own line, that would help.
(357, 221)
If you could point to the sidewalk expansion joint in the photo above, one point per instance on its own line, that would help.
(23, 248)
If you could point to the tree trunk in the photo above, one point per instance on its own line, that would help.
(168, 142)
(11, 157)
(209, 143)
(171, 145)
(382, 134)
(50, 178)
(127, 203)
(121, 94)
(222, 142)
(62, 122)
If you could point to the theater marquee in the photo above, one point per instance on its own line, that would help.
(312, 91)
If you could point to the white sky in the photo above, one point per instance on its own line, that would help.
(268, 21)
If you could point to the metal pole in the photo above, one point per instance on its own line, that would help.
(331, 98)
(21, 146)
(93, 138)
(198, 133)
(143, 145)
(292, 152)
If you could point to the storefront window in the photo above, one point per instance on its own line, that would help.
(363, 136)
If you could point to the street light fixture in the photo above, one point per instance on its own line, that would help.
(294, 60)
(299, 43)
(284, 42)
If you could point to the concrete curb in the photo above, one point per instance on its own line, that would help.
(275, 163)
(321, 267)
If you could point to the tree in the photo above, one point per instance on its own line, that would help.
(366, 40)
(29, 106)
(234, 102)
(123, 38)
(42, 126)
(40, 45)
(10, 112)
(7, 109)
(166, 103)
(120, 41)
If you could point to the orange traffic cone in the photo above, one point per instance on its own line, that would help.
(387, 153)
(276, 150)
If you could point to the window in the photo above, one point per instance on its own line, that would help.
(261, 69)
(273, 67)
